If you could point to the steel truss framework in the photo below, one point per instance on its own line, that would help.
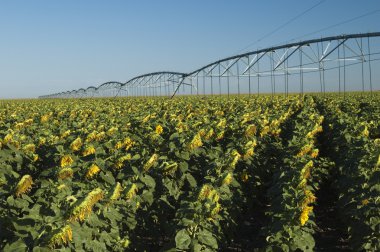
(339, 63)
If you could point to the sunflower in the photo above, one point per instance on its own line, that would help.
(152, 160)
(250, 131)
(92, 171)
(116, 192)
(227, 179)
(66, 160)
(24, 185)
(196, 142)
(132, 190)
(159, 129)
(88, 151)
(84, 209)
(62, 237)
(76, 144)
(305, 214)
(45, 118)
(65, 173)
(204, 192)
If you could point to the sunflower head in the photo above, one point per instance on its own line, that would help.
(196, 142)
(31, 148)
(45, 118)
(227, 179)
(24, 185)
(116, 192)
(132, 190)
(84, 209)
(66, 160)
(61, 237)
(118, 145)
(152, 160)
(65, 173)
(305, 214)
(92, 171)
(204, 192)
(76, 144)
(159, 129)
(90, 150)
(128, 143)
(250, 130)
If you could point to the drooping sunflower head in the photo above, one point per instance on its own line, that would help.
(159, 129)
(204, 192)
(309, 197)
(66, 160)
(220, 135)
(100, 136)
(61, 237)
(305, 150)
(84, 209)
(128, 142)
(118, 145)
(66, 134)
(19, 125)
(305, 214)
(8, 138)
(216, 209)
(209, 134)
(314, 153)
(152, 160)
(235, 156)
(24, 185)
(250, 131)
(45, 118)
(227, 179)
(112, 131)
(306, 171)
(31, 148)
(90, 150)
(116, 192)
(249, 153)
(92, 171)
(120, 161)
(65, 173)
(28, 121)
(202, 132)
(76, 144)
(196, 142)
(91, 136)
(131, 191)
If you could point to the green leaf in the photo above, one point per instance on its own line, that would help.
(174, 136)
(148, 181)
(17, 246)
(147, 197)
(185, 155)
(108, 177)
(41, 249)
(207, 238)
(191, 180)
(182, 239)
(183, 166)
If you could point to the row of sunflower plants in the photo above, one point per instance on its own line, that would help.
(292, 194)
(354, 130)
(221, 191)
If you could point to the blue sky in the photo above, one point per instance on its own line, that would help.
(52, 46)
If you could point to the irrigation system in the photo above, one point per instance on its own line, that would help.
(330, 64)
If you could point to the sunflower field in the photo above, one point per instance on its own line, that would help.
(267, 173)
